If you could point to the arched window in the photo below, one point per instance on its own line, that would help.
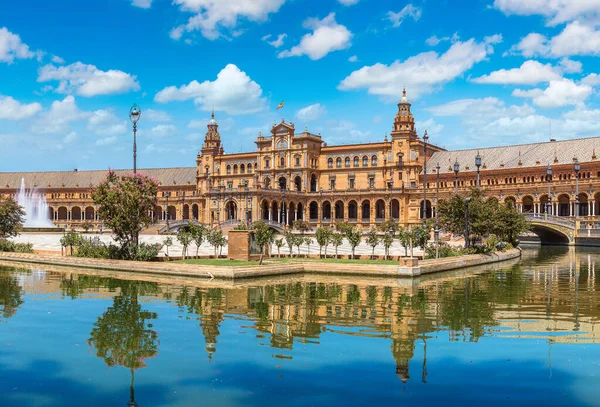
(282, 162)
(249, 168)
(365, 161)
(242, 169)
(338, 162)
(356, 161)
(267, 163)
(267, 182)
(330, 163)
(235, 169)
(347, 162)
(374, 161)
(229, 169)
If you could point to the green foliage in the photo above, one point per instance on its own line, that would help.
(11, 295)
(290, 239)
(279, 245)
(308, 241)
(404, 236)
(71, 239)
(263, 235)
(216, 239)
(168, 242)
(301, 226)
(87, 226)
(373, 241)
(241, 226)
(12, 217)
(344, 227)
(420, 236)
(323, 236)
(385, 227)
(444, 250)
(354, 238)
(125, 203)
(337, 239)
(94, 248)
(387, 241)
(185, 237)
(10, 246)
(199, 233)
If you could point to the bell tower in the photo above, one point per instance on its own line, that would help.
(212, 140)
(404, 122)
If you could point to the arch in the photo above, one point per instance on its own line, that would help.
(275, 211)
(313, 211)
(195, 212)
(51, 213)
(298, 183)
(425, 214)
(242, 169)
(186, 212)
(282, 183)
(395, 209)
(228, 169)
(366, 211)
(352, 210)
(380, 210)
(265, 210)
(549, 235)
(527, 202)
(347, 162)
(172, 212)
(76, 213)
(511, 201)
(231, 210)
(374, 161)
(90, 213)
(338, 162)
(339, 210)
(62, 213)
(267, 183)
(365, 161)
(249, 168)
(267, 163)
(563, 205)
(326, 210)
(158, 213)
(330, 163)
(235, 169)
(544, 204)
(300, 211)
(583, 204)
(282, 162)
(313, 183)
(356, 161)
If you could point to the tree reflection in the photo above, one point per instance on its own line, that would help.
(121, 336)
(10, 295)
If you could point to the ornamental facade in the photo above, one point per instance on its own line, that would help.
(296, 176)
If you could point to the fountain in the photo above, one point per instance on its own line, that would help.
(36, 210)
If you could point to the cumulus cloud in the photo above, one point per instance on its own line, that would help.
(408, 11)
(156, 115)
(233, 92)
(529, 73)
(348, 2)
(327, 36)
(576, 38)
(58, 60)
(592, 79)
(555, 11)
(162, 131)
(57, 118)
(435, 40)
(104, 122)
(311, 113)
(570, 66)
(353, 58)
(434, 130)
(11, 109)
(142, 3)
(422, 73)
(11, 47)
(278, 42)
(87, 80)
(69, 138)
(106, 141)
(562, 92)
(214, 18)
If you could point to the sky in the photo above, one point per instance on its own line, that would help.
(478, 73)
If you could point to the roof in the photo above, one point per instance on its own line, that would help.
(74, 179)
(509, 156)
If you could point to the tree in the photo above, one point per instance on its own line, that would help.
(185, 237)
(86, 226)
(198, 234)
(70, 239)
(290, 240)
(385, 227)
(387, 241)
(12, 217)
(301, 226)
(217, 240)
(279, 245)
(124, 204)
(263, 235)
(373, 241)
(168, 242)
(337, 239)
(343, 227)
(354, 237)
(10, 295)
(298, 241)
(404, 236)
(420, 236)
(308, 241)
(509, 224)
(323, 236)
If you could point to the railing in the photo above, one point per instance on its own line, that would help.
(555, 220)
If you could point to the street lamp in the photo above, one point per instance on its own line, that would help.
(391, 187)
(425, 140)
(577, 167)
(548, 179)
(436, 233)
(283, 220)
(246, 201)
(134, 115)
(167, 194)
(467, 201)
(183, 207)
(456, 169)
(478, 165)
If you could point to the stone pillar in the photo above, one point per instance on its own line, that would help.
(593, 203)
(571, 208)
(346, 216)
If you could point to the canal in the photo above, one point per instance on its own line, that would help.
(525, 334)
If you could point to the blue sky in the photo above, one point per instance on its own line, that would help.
(479, 73)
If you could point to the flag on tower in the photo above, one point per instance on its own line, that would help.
(280, 105)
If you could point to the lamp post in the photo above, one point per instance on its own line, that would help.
(167, 196)
(467, 201)
(548, 179)
(456, 169)
(183, 207)
(577, 168)
(391, 187)
(134, 115)
(478, 165)
(283, 220)
(436, 232)
(425, 140)
(246, 201)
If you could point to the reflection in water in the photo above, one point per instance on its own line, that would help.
(550, 296)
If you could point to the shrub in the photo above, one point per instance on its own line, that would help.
(445, 250)
(10, 246)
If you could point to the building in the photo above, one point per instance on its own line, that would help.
(297, 176)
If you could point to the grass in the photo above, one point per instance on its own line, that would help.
(217, 262)
(338, 261)
(268, 260)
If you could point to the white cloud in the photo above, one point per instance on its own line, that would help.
(233, 92)
(156, 115)
(570, 66)
(106, 141)
(142, 3)
(12, 48)
(277, 42)
(311, 113)
(529, 73)
(435, 40)
(69, 138)
(105, 123)
(577, 38)
(327, 36)
(555, 11)
(58, 117)
(213, 18)
(592, 79)
(422, 73)
(57, 60)
(353, 58)
(162, 131)
(87, 80)
(480, 110)
(434, 130)
(531, 45)
(11, 109)
(559, 93)
(348, 2)
(408, 11)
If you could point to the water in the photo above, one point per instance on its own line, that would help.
(528, 334)
(36, 207)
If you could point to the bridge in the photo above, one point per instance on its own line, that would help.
(176, 224)
(554, 229)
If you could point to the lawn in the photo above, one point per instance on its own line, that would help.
(337, 261)
(268, 260)
(218, 262)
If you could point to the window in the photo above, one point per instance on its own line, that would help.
(242, 169)
(330, 163)
(351, 183)
(332, 184)
(249, 168)
(235, 169)
(297, 161)
(365, 161)
(374, 161)
(229, 184)
(229, 169)
(267, 163)
(347, 162)
(356, 161)
(338, 162)
(371, 182)
(282, 162)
